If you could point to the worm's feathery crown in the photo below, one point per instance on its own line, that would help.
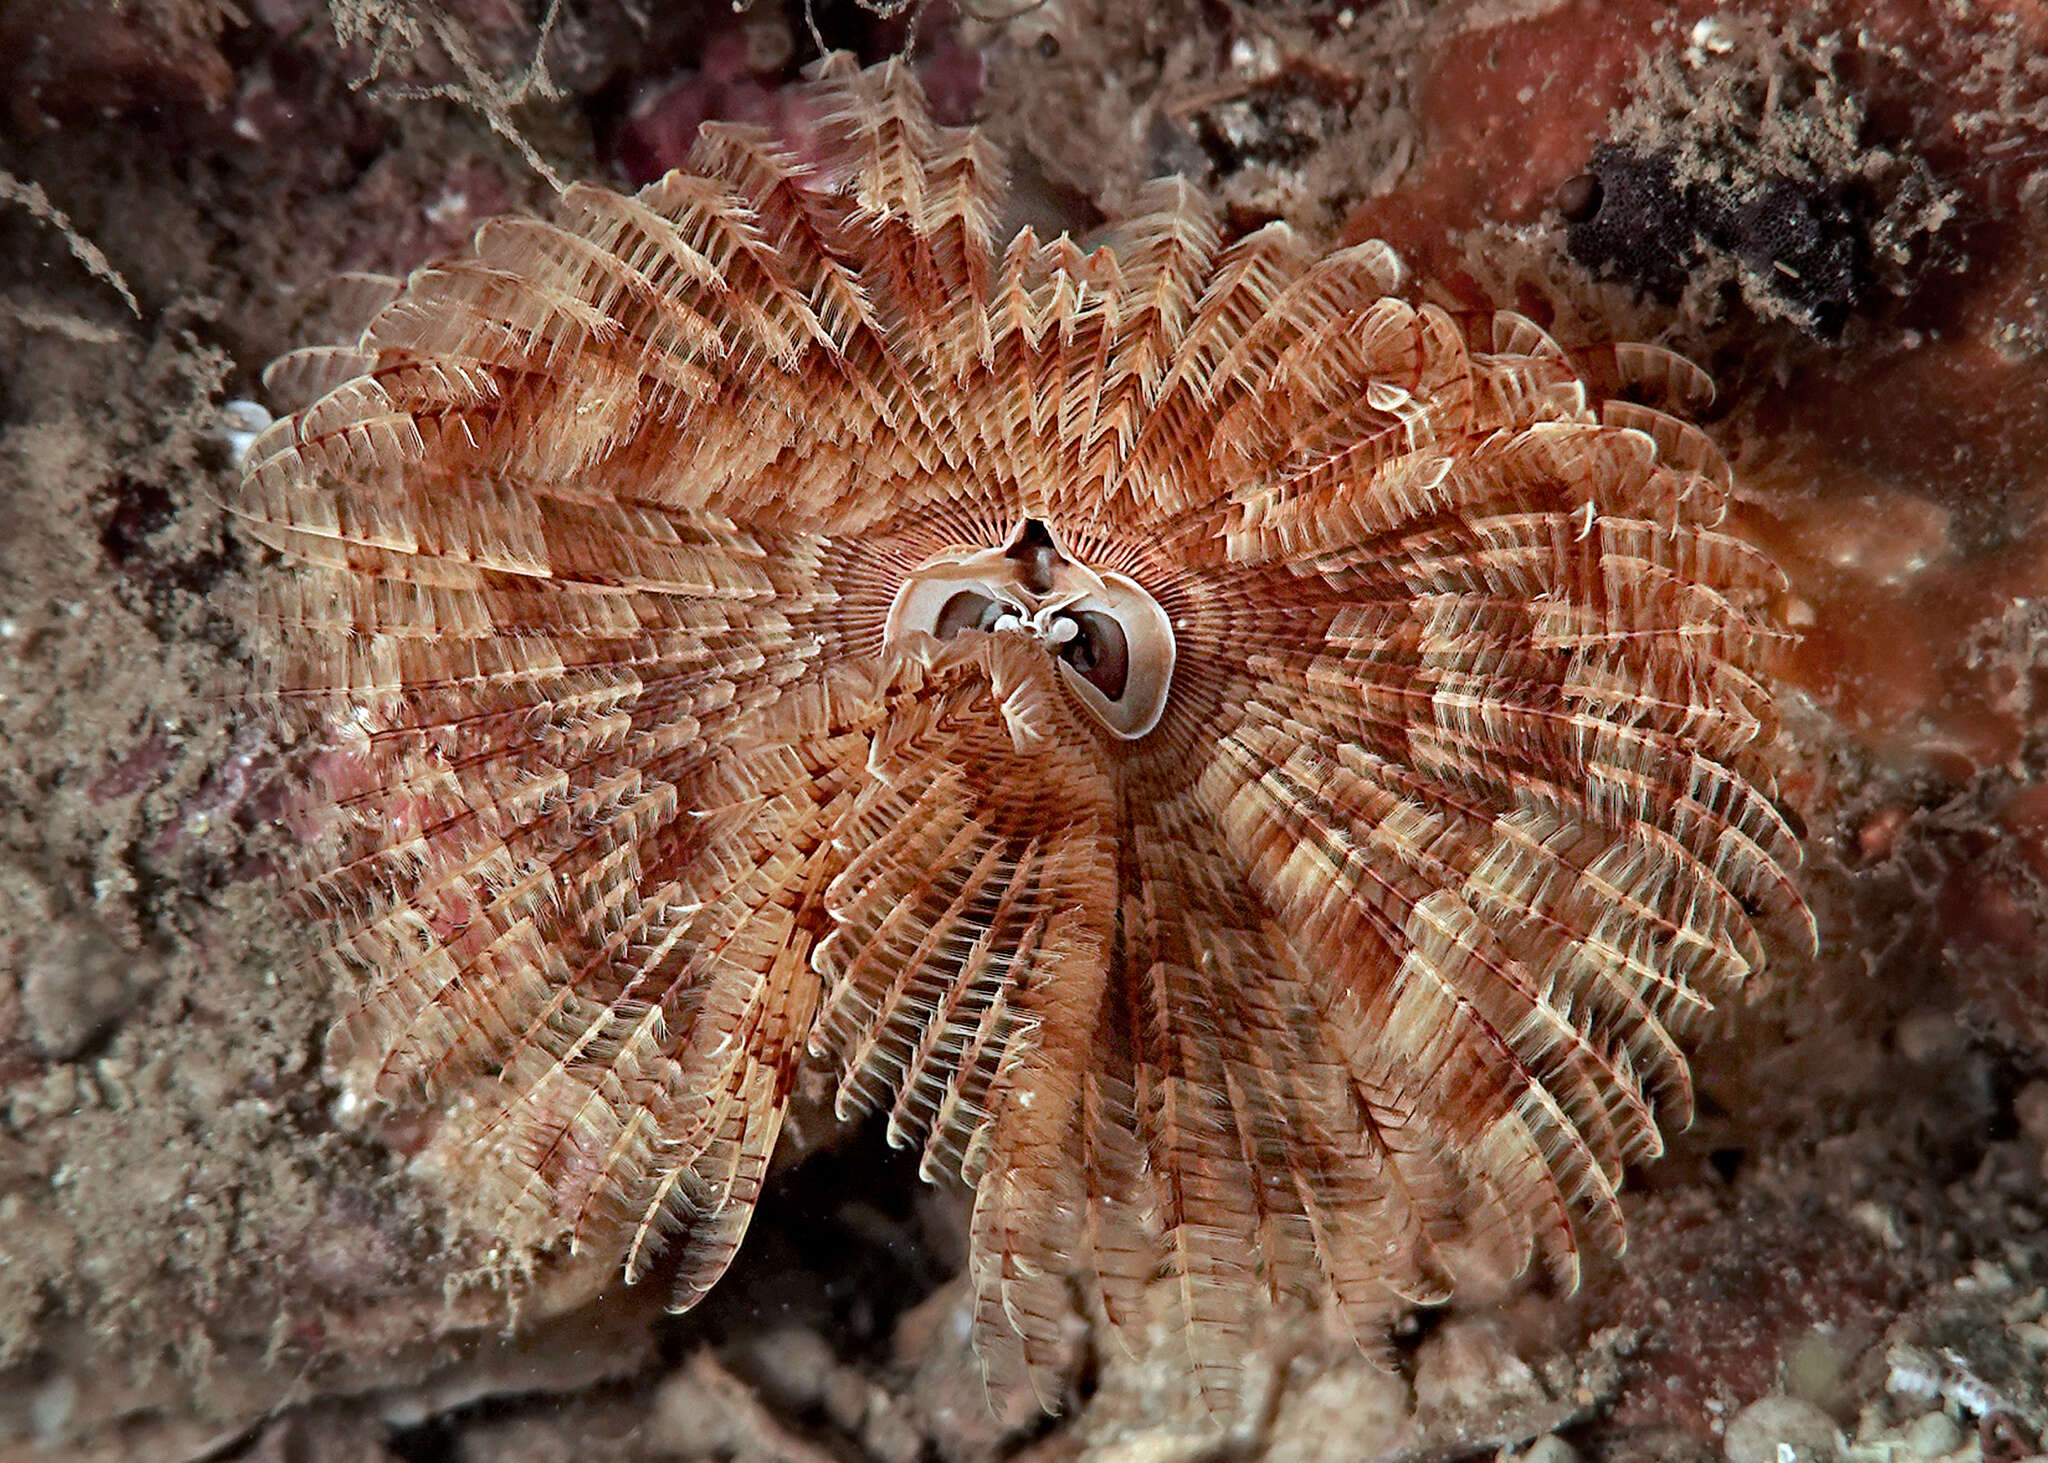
(1362, 951)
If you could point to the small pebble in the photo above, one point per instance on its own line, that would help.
(691, 1418)
(1815, 1367)
(1781, 1430)
(889, 1435)
(1466, 1366)
(1985, 1275)
(240, 423)
(2030, 1110)
(1550, 1448)
(1879, 1221)
(75, 983)
(1928, 1038)
(1934, 1436)
(845, 1398)
(50, 1409)
(791, 1365)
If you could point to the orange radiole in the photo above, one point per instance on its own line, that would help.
(1251, 772)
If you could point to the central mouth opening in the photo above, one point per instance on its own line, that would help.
(1110, 639)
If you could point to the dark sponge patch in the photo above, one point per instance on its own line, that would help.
(1800, 243)
(1806, 241)
(1764, 166)
(1627, 218)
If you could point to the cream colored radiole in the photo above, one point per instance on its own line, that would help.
(1252, 771)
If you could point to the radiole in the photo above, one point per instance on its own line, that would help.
(1251, 770)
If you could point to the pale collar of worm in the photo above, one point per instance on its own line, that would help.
(1112, 642)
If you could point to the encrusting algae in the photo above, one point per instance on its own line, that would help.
(1251, 772)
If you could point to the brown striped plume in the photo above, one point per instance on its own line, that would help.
(1363, 965)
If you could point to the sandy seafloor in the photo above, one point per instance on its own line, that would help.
(1841, 210)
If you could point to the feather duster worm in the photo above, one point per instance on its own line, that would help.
(1249, 772)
